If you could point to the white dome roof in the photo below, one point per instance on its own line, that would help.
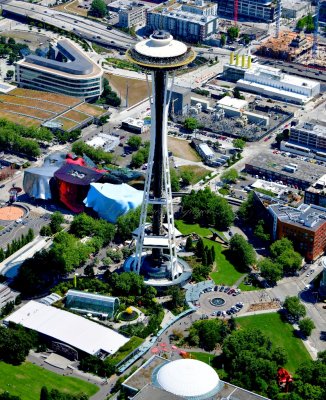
(188, 378)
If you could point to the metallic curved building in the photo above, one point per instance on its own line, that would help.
(68, 71)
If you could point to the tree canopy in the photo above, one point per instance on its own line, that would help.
(283, 253)
(191, 124)
(293, 307)
(251, 360)
(306, 325)
(270, 270)
(239, 143)
(126, 224)
(98, 8)
(230, 175)
(233, 33)
(241, 251)
(134, 142)
(208, 333)
(206, 208)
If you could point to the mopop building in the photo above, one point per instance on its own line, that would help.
(155, 255)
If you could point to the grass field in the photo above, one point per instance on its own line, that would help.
(66, 123)
(52, 97)
(226, 272)
(26, 381)
(207, 359)
(199, 172)
(72, 8)
(90, 109)
(75, 115)
(44, 105)
(137, 89)
(19, 119)
(281, 334)
(182, 149)
(29, 111)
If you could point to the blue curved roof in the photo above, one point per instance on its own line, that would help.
(77, 64)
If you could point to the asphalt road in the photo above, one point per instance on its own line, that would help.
(83, 27)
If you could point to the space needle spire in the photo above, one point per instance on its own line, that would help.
(155, 253)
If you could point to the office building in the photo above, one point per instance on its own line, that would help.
(132, 15)
(195, 21)
(68, 71)
(295, 8)
(305, 226)
(273, 83)
(180, 100)
(260, 10)
(316, 193)
(275, 167)
(310, 135)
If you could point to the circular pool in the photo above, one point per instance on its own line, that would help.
(217, 302)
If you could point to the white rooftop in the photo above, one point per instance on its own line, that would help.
(232, 102)
(188, 378)
(206, 150)
(161, 48)
(68, 328)
(6, 87)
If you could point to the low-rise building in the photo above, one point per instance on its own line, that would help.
(316, 193)
(295, 8)
(305, 226)
(68, 71)
(180, 100)
(134, 125)
(104, 141)
(195, 21)
(132, 15)
(309, 134)
(272, 82)
(203, 150)
(275, 167)
(91, 303)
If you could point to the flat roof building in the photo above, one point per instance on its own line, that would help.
(309, 134)
(305, 226)
(132, 14)
(68, 71)
(261, 10)
(316, 193)
(272, 82)
(195, 21)
(295, 8)
(275, 167)
(67, 328)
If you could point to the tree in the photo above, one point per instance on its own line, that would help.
(233, 33)
(270, 270)
(237, 95)
(98, 8)
(45, 230)
(89, 271)
(208, 333)
(290, 260)
(206, 208)
(177, 297)
(126, 224)
(2, 254)
(175, 180)
(56, 220)
(223, 40)
(134, 142)
(306, 325)
(230, 176)
(190, 124)
(189, 244)
(9, 74)
(280, 246)
(242, 251)
(251, 360)
(260, 231)
(138, 159)
(294, 308)
(44, 393)
(239, 143)
(200, 248)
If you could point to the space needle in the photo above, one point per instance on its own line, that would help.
(155, 255)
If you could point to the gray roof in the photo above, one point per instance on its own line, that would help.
(309, 217)
(77, 63)
(306, 171)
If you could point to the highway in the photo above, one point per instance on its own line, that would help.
(82, 27)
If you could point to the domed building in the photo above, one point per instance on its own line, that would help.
(161, 379)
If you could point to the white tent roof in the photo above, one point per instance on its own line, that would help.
(188, 378)
(68, 328)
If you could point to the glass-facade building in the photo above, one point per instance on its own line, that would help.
(69, 71)
(98, 305)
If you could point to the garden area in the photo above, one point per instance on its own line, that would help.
(26, 381)
(182, 149)
(225, 272)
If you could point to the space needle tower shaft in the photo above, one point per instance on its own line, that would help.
(159, 55)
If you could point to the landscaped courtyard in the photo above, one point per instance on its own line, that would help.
(225, 272)
(26, 381)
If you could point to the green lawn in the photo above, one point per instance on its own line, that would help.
(26, 381)
(281, 334)
(208, 359)
(248, 288)
(226, 273)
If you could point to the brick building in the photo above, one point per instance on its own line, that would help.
(305, 226)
